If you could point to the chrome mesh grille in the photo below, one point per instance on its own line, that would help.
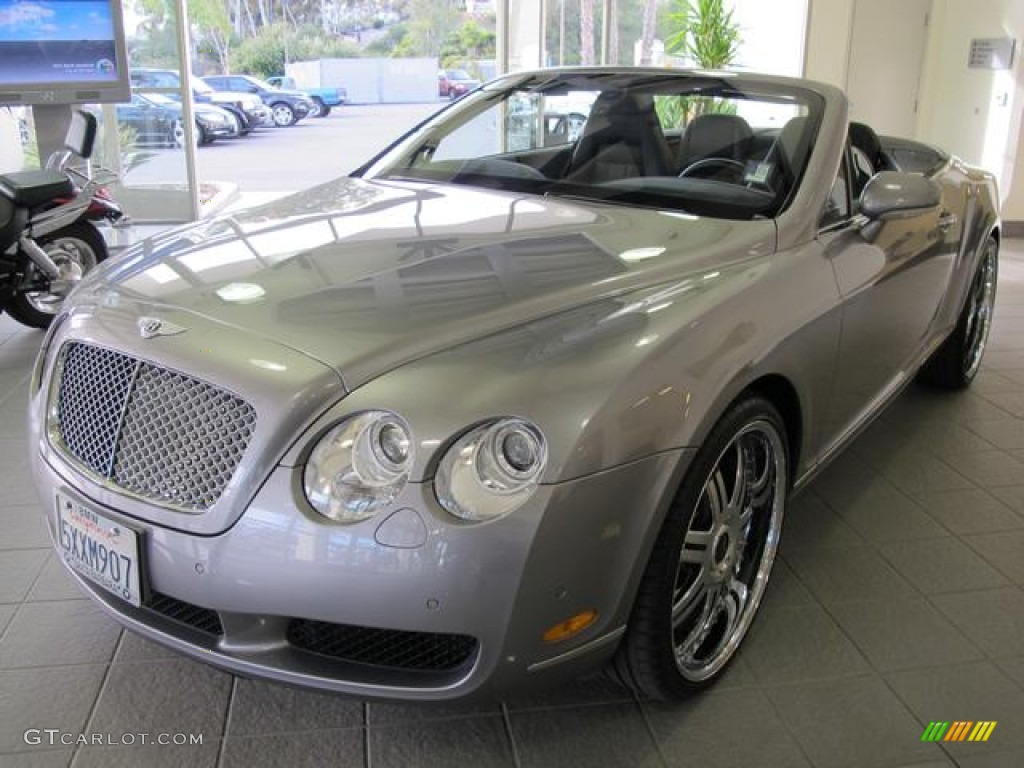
(93, 391)
(157, 433)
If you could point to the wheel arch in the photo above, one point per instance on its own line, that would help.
(779, 390)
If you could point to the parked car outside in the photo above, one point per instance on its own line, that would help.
(249, 111)
(453, 83)
(287, 107)
(324, 99)
(479, 418)
(156, 120)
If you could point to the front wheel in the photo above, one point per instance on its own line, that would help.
(75, 249)
(319, 108)
(283, 114)
(178, 137)
(955, 364)
(711, 561)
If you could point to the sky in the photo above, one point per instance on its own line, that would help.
(31, 20)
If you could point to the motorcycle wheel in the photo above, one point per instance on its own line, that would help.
(76, 249)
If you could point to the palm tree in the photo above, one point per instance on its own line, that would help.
(586, 32)
(649, 29)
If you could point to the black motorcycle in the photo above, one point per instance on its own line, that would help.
(47, 238)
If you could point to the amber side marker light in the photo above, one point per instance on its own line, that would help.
(570, 627)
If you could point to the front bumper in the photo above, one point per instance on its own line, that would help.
(574, 546)
(260, 116)
(218, 130)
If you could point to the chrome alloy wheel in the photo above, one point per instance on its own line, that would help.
(980, 305)
(283, 114)
(73, 257)
(728, 550)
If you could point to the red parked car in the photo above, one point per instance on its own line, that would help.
(452, 83)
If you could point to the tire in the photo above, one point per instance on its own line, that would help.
(711, 561)
(241, 123)
(284, 115)
(86, 248)
(319, 108)
(955, 364)
(178, 135)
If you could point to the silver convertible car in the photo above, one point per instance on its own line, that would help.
(509, 402)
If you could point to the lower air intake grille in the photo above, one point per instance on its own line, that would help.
(382, 647)
(202, 619)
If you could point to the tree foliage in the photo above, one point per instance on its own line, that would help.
(430, 23)
(271, 48)
(705, 33)
(627, 22)
(468, 42)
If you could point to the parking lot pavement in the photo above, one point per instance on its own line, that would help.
(273, 160)
(310, 152)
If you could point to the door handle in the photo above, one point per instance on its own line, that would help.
(947, 220)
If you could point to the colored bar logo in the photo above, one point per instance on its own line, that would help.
(959, 730)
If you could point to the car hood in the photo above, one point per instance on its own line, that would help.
(292, 92)
(368, 275)
(226, 96)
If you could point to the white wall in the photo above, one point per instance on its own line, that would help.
(371, 81)
(11, 157)
(772, 35)
(829, 30)
(975, 113)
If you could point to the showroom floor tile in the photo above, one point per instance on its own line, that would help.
(898, 598)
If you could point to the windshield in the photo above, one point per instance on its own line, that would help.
(263, 85)
(161, 99)
(717, 146)
(201, 86)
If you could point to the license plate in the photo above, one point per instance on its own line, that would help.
(100, 549)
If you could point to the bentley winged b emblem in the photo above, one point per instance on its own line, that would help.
(154, 326)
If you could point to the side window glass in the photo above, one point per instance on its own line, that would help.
(837, 206)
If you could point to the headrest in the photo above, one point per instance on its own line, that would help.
(864, 138)
(716, 135)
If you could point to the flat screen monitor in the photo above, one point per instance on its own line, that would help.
(62, 52)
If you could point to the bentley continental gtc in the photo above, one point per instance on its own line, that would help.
(508, 402)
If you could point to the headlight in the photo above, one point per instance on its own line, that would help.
(491, 470)
(358, 467)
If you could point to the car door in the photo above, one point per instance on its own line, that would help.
(892, 275)
(242, 85)
(143, 118)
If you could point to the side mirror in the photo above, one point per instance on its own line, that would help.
(890, 194)
(253, 89)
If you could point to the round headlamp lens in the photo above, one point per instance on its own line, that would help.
(520, 450)
(359, 466)
(393, 442)
(491, 470)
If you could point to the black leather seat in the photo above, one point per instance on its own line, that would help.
(789, 154)
(622, 139)
(31, 188)
(725, 137)
(864, 138)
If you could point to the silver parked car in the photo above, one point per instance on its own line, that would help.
(481, 417)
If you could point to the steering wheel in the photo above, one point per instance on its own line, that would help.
(737, 172)
(723, 163)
